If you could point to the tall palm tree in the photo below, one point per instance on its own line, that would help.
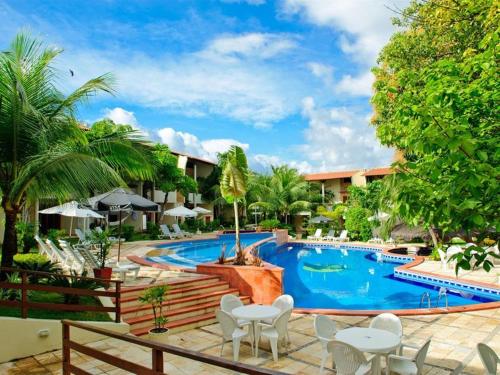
(283, 193)
(44, 152)
(233, 187)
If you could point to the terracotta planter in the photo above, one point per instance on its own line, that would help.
(159, 337)
(103, 273)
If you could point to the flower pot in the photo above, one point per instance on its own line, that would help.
(159, 335)
(103, 273)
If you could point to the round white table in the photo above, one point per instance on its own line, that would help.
(370, 340)
(254, 314)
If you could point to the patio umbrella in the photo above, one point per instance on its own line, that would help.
(320, 219)
(180, 211)
(201, 210)
(71, 209)
(121, 200)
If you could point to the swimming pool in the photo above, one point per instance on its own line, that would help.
(191, 253)
(352, 279)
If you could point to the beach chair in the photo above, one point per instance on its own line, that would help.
(179, 232)
(78, 264)
(342, 238)
(165, 232)
(317, 235)
(65, 260)
(330, 236)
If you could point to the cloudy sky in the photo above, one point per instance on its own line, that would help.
(288, 80)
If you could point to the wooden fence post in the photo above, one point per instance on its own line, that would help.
(157, 361)
(118, 307)
(24, 295)
(66, 352)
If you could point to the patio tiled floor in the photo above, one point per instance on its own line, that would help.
(454, 337)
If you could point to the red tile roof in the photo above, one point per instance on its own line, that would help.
(379, 171)
(330, 175)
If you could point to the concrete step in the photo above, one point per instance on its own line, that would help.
(128, 302)
(146, 321)
(141, 309)
(136, 291)
(182, 325)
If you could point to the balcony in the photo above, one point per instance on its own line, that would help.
(159, 197)
(192, 197)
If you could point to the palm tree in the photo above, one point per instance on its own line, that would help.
(44, 152)
(283, 193)
(233, 186)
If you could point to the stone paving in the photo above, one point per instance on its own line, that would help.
(454, 338)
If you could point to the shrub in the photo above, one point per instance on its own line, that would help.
(35, 262)
(25, 236)
(153, 230)
(269, 224)
(55, 234)
(356, 222)
(75, 282)
(127, 232)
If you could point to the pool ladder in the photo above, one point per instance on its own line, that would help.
(442, 295)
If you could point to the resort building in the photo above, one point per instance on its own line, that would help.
(337, 182)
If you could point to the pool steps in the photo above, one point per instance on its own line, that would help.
(190, 304)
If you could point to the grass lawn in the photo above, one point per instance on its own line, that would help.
(36, 296)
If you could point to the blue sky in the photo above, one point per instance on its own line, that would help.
(288, 80)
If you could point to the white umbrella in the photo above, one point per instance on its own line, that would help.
(201, 210)
(71, 209)
(180, 211)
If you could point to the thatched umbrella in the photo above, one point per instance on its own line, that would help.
(407, 233)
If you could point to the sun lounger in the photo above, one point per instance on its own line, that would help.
(317, 235)
(342, 238)
(166, 232)
(330, 236)
(180, 232)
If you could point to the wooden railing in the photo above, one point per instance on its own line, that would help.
(157, 351)
(24, 304)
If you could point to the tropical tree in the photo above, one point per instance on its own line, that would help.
(283, 193)
(233, 187)
(436, 100)
(43, 150)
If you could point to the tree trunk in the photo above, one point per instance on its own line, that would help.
(9, 246)
(434, 237)
(240, 257)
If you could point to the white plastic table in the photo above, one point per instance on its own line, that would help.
(370, 340)
(254, 314)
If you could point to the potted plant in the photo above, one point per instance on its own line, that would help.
(155, 296)
(101, 239)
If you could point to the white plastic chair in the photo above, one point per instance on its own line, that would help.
(44, 249)
(347, 359)
(231, 332)
(179, 232)
(165, 232)
(489, 358)
(325, 330)
(413, 365)
(443, 259)
(342, 237)
(228, 303)
(284, 302)
(330, 236)
(78, 262)
(388, 322)
(62, 258)
(277, 332)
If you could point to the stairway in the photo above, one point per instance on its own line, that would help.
(190, 304)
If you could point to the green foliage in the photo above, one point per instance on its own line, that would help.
(155, 296)
(153, 230)
(366, 197)
(437, 101)
(25, 236)
(473, 257)
(233, 187)
(11, 294)
(43, 150)
(269, 224)
(336, 214)
(56, 234)
(35, 262)
(76, 282)
(127, 232)
(101, 239)
(356, 222)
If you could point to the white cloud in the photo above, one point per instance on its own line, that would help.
(366, 24)
(340, 138)
(264, 162)
(192, 145)
(258, 45)
(323, 72)
(121, 116)
(360, 85)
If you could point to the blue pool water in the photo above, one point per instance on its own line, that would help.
(190, 253)
(350, 279)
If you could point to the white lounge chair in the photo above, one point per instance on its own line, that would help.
(166, 232)
(376, 240)
(489, 359)
(179, 232)
(342, 238)
(65, 260)
(78, 264)
(390, 241)
(121, 269)
(231, 333)
(325, 330)
(347, 359)
(409, 365)
(111, 238)
(276, 333)
(44, 249)
(317, 235)
(330, 236)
